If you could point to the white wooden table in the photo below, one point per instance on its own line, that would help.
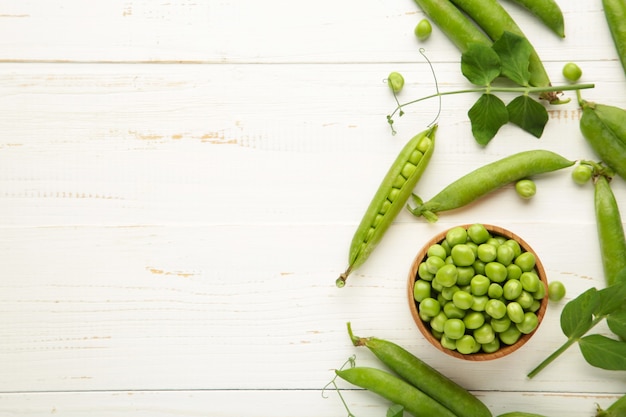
(180, 182)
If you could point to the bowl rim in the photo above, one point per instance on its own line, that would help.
(479, 356)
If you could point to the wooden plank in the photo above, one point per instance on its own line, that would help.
(271, 32)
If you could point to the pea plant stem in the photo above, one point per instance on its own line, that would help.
(570, 341)
(492, 89)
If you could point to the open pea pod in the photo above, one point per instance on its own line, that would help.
(391, 196)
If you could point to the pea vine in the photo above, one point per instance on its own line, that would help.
(582, 314)
(507, 61)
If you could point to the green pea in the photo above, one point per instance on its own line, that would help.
(437, 250)
(466, 273)
(495, 290)
(526, 188)
(525, 299)
(505, 254)
(478, 233)
(437, 286)
(454, 329)
(447, 275)
(484, 334)
(515, 312)
(456, 236)
(444, 244)
(437, 322)
(447, 343)
(493, 241)
(526, 261)
(572, 72)
(536, 305)
(487, 252)
(480, 303)
(512, 289)
(517, 249)
(452, 311)
(424, 272)
(463, 300)
(463, 255)
(421, 290)
(473, 320)
(396, 82)
(528, 324)
(466, 344)
(440, 298)
(556, 290)
(510, 335)
(582, 173)
(530, 281)
(423, 29)
(513, 271)
(448, 292)
(500, 325)
(430, 307)
(492, 347)
(479, 267)
(495, 308)
(434, 263)
(495, 271)
(480, 285)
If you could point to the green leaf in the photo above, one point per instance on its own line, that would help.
(577, 315)
(487, 116)
(514, 52)
(528, 114)
(611, 299)
(480, 64)
(603, 352)
(395, 410)
(617, 323)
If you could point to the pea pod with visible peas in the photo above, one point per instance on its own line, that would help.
(548, 11)
(488, 178)
(615, 13)
(610, 230)
(390, 198)
(604, 129)
(422, 376)
(395, 390)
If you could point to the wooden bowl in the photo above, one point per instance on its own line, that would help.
(479, 356)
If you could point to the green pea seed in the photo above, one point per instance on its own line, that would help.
(528, 324)
(515, 312)
(463, 300)
(452, 311)
(512, 289)
(526, 261)
(480, 285)
(525, 299)
(495, 308)
(495, 290)
(447, 275)
(437, 322)
(530, 281)
(495, 271)
(463, 255)
(505, 254)
(447, 343)
(454, 329)
(484, 334)
(480, 303)
(421, 290)
(473, 320)
(423, 29)
(466, 344)
(456, 236)
(430, 307)
(492, 347)
(395, 81)
(437, 250)
(500, 325)
(466, 273)
(513, 271)
(526, 188)
(478, 233)
(423, 271)
(434, 263)
(556, 290)
(510, 335)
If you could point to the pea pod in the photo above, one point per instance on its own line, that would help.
(615, 13)
(453, 23)
(610, 230)
(422, 376)
(617, 409)
(396, 390)
(548, 11)
(495, 20)
(604, 129)
(488, 178)
(390, 198)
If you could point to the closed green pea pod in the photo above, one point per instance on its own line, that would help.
(548, 11)
(424, 377)
(495, 20)
(489, 178)
(395, 390)
(615, 13)
(610, 230)
(390, 198)
(604, 129)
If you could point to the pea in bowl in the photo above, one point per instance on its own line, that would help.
(477, 291)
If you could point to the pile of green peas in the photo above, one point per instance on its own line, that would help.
(477, 291)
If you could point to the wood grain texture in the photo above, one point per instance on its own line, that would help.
(180, 181)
